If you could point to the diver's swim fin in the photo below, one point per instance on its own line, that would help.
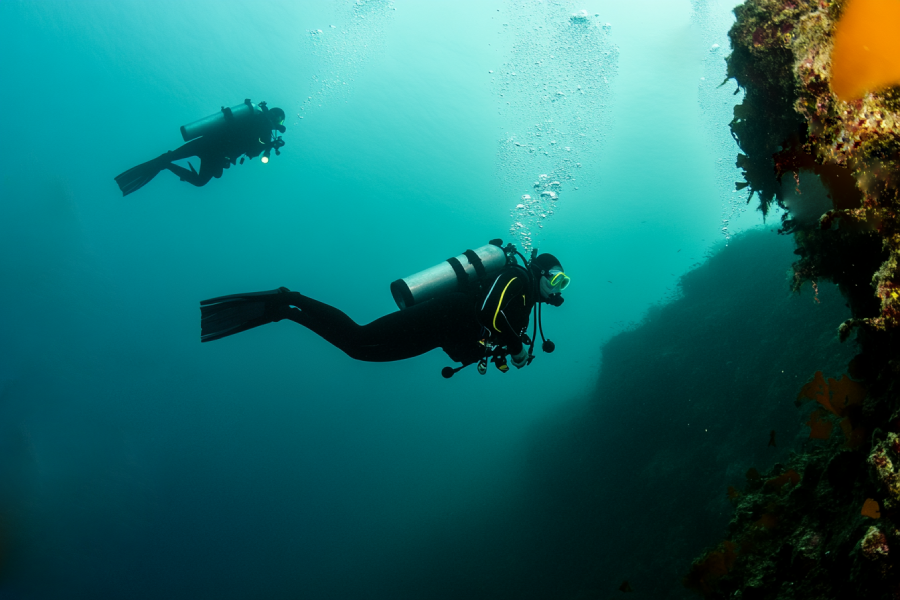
(227, 315)
(137, 177)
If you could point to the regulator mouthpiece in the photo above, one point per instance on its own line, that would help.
(555, 300)
(548, 346)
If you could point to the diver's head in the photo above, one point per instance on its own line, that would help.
(551, 278)
(276, 118)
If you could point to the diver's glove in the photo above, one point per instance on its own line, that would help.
(521, 359)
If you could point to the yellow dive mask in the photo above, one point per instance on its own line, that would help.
(559, 280)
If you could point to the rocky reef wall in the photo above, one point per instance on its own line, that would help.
(632, 483)
(823, 524)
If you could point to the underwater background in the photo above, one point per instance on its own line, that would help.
(137, 463)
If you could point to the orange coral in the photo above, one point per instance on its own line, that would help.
(776, 483)
(835, 396)
(871, 509)
(845, 393)
(816, 390)
(715, 564)
(819, 429)
(768, 521)
(866, 53)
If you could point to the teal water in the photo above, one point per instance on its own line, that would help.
(138, 463)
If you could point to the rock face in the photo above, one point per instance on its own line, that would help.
(834, 167)
(638, 479)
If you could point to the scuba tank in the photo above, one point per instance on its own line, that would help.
(216, 123)
(460, 273)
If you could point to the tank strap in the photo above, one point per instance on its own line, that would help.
(476, 262)
(462, 278)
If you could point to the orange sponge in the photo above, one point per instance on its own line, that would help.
(835, 396)
(871, 509)
(819, 428)
(866, 53)
(776, 483)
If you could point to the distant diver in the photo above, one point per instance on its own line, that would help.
(218, 141)
(474, 306)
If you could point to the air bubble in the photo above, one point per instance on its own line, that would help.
(560, 97)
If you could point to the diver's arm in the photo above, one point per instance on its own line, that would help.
(261, 138)
(507, 288)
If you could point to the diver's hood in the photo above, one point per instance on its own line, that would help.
(542, 264)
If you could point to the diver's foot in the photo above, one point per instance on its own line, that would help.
(282, 305)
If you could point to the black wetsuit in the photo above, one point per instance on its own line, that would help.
(219, 152)
(455, 322)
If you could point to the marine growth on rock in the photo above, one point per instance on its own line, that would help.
(819, 136)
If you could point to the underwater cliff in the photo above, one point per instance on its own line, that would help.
(635, 481)
(822, 141)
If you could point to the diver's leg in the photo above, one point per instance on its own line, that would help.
(135, 178)
(395, 336)
(197, 147)
(210, 162)
(198, 179)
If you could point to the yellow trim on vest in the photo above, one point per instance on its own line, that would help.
(499, 304)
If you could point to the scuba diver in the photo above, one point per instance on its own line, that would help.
(218, 141)
(474, 306)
